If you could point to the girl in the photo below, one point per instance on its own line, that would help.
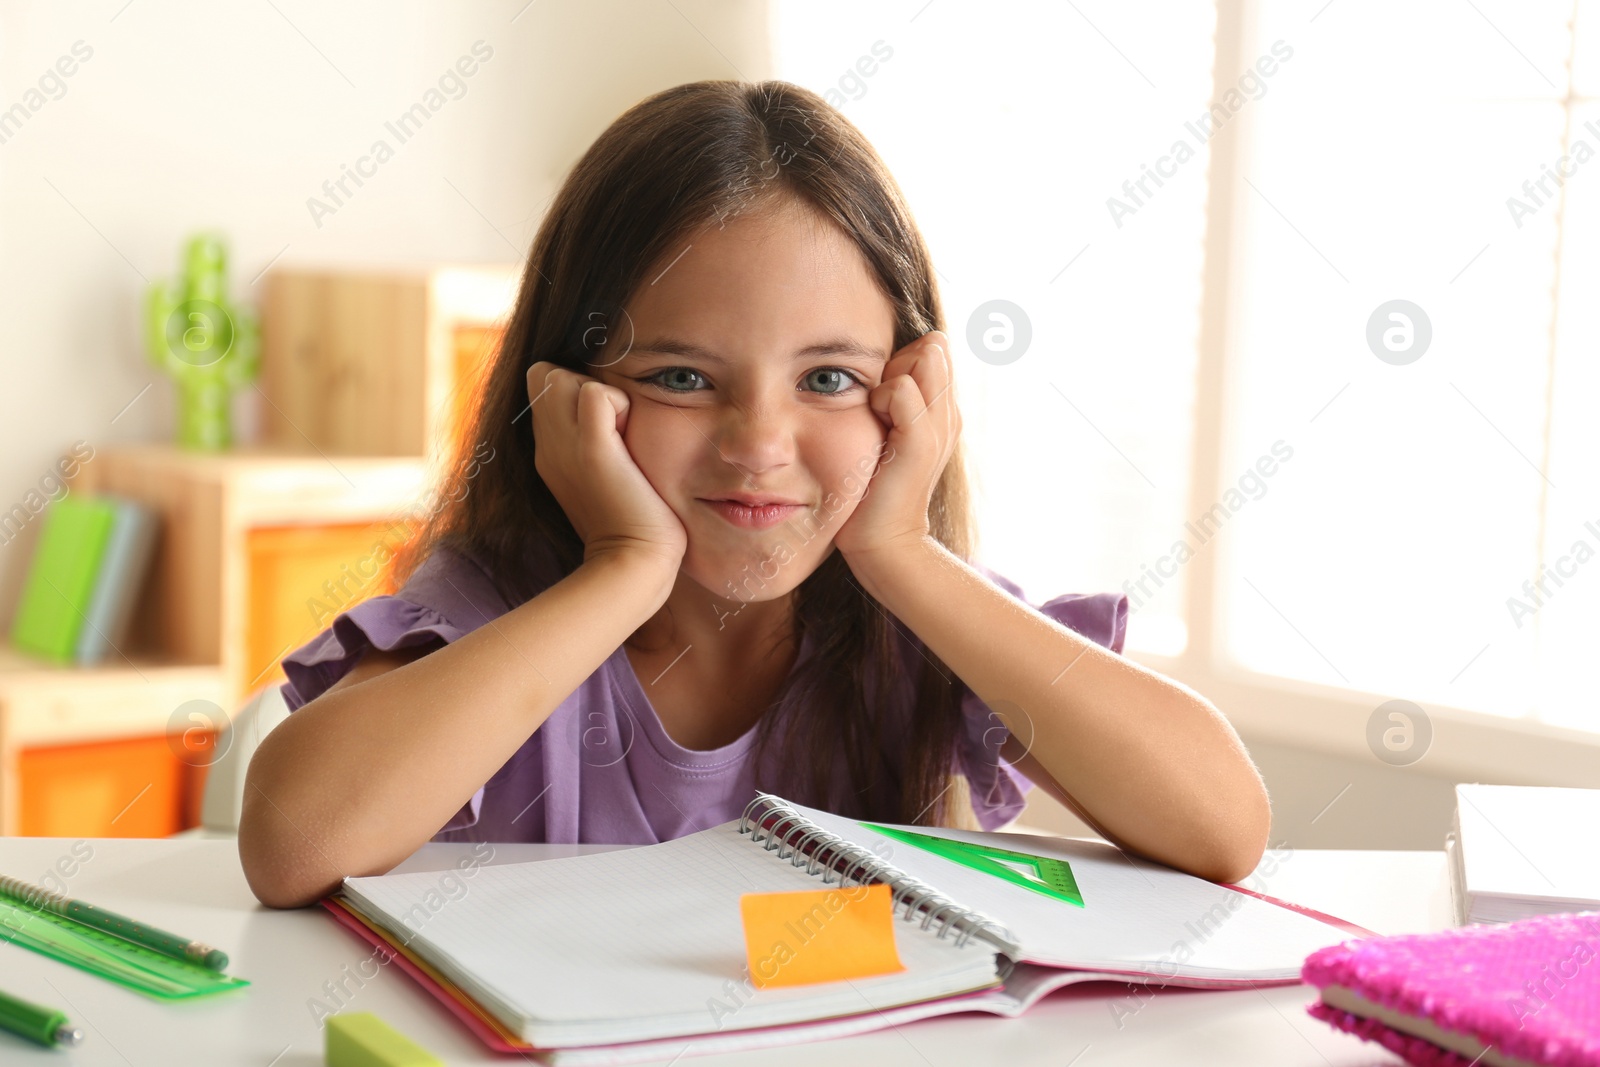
(716, 537)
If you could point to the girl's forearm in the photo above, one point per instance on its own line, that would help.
(1160, 769)
(358, 778)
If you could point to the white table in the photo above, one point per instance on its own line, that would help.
(196, 887)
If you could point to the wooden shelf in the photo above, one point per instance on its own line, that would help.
(370, 361)
(367, 375)
(45, 704)
(197, 603)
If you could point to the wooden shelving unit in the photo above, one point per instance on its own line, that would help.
(367, 374)
(45, 708)
(377, 362)
(225, 518)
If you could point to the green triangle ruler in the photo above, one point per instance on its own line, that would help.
(1046, 875)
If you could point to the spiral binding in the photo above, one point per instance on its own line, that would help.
(795, 831)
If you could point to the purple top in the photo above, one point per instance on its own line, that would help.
(602, 768)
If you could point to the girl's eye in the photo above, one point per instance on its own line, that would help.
(673, 379)
(833, 380)
(827, 381)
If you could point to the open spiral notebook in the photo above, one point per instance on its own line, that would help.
(640, 953)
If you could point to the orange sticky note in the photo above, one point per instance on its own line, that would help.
(819, 935)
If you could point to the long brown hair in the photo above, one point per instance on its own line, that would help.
(682, 158)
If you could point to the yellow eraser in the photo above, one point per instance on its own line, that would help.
(361, 1039)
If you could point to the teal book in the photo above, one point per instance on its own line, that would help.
(61, 577)
(128, 553)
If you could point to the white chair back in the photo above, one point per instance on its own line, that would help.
(224, 795)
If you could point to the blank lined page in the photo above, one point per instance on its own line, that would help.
(644, 941)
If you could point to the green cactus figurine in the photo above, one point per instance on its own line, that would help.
(209, 346)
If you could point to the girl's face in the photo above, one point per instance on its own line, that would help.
(747, 360)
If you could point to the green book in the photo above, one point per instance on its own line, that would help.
(61, 577)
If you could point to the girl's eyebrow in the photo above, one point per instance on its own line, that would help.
(837, 346)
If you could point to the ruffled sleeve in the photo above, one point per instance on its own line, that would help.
(998, 789)
(447, 596)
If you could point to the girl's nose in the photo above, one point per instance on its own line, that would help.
(755, 437)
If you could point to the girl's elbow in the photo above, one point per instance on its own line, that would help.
(271, 868)
(278, 893)
(273, 855)
(1237, 853)
(1234, 862)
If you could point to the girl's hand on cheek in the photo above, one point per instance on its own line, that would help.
(917, 408)
(578, 422)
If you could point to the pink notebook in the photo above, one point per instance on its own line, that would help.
(1523, 993)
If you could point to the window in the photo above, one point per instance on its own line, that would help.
(1421, 494)
(1009, 127)
(1423, 528)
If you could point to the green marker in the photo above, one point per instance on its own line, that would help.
(45, 1026)
(180, 948)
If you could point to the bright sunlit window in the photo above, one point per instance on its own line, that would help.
(1408, 459)
(1080, 444)
(1391, 554)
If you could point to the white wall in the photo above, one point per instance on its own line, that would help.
(189, 115)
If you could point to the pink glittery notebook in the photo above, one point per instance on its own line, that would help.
(1502, 996)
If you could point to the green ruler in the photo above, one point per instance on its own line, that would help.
(1050, 876)
(110, 957)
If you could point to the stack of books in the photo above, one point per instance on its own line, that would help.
(1517, 851)
(86, 573)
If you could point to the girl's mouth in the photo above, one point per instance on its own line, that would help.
(760, 517)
